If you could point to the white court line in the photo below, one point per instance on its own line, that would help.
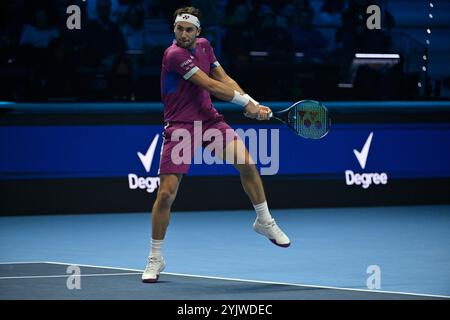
(22, 262)
(72, 275)
(262, 282)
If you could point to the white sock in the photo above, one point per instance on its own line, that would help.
(156, 247)
(262, 212)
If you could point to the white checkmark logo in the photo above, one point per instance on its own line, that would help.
(362, 155)
(147, 158)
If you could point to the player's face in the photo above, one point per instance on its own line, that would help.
(185, 34)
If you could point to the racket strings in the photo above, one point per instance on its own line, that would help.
(310, 122)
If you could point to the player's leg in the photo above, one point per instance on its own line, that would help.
(253, 186)
(250, 179)
(168, 187)
(160, 220)
(170, 175)
(232, 150)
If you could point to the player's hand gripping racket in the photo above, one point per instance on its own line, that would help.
(308, 118)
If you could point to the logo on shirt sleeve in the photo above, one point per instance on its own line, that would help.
(188, 64)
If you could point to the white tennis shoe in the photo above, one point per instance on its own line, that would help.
(154, 267)
(273, 232)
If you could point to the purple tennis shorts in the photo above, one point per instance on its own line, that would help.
(170, 141)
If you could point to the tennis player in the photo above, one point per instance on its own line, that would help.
(190, 74)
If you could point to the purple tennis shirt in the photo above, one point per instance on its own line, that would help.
(184, 101)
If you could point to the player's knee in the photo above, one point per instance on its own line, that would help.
(166, 197)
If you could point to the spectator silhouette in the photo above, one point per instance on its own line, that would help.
(354, 35)
(104, 36)
(91, 9)
(238, 35)
(121, 83)
(213, 15)
(133, 28)
(41, 31)
(273, 34)
(58, 74)
(330, 11)
(306, 38)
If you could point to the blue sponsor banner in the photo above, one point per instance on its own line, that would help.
(400, 150)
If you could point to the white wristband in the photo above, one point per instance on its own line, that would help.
(240, 99)
(251, 99)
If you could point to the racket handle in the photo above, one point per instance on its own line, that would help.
(270, 114)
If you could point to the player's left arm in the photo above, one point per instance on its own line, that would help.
(219, 74)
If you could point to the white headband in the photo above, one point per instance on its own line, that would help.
(188, 18)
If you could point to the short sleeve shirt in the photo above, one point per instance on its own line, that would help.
(184, 101)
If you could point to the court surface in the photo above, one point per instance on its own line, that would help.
(216, 255)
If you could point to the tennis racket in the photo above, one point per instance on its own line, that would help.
(307, 118)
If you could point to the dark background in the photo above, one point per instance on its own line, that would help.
(277, 50)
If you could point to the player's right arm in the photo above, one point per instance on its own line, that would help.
(217, 89)
(182, 63)
(223, 92)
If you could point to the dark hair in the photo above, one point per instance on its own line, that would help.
(190, 10)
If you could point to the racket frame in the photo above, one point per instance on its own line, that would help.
(284, 119)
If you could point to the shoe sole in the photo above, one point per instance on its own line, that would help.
(280, 245)
(150, 280)
(271, 240)
(153, 280)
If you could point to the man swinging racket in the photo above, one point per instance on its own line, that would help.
(190, 73)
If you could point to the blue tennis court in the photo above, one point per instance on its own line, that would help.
(216, 255)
